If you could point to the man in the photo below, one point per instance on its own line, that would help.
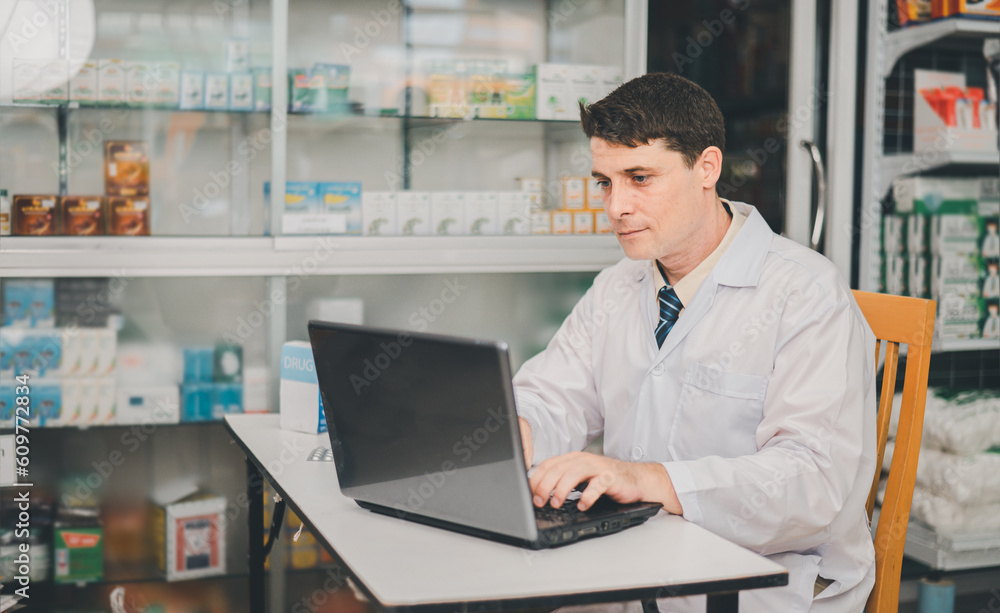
(729, 369)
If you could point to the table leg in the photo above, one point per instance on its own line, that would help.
(255, 525)
(728, 602)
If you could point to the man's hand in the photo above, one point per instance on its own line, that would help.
(526, 444)
(621, 481)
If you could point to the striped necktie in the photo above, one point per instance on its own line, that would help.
(670, 309)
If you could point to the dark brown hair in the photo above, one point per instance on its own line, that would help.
(658, 106)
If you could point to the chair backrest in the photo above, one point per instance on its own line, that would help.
(897, 320)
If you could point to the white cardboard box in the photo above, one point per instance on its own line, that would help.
(301, 407)
(147, 404)
(378, 212)
(413, 210)
(448, 213)
(481, 213)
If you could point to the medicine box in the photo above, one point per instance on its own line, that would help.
(111, 81)
(81, 215)
(934, 196)
(26, 80)
(893, 234)
(139, 83)
(83, 82)
(55, 77)
(216, 91)
(237, 55)
(190, 536)
(241, 91)
(573, 196)
(541, 222)
(192, 94)
(562, 222)
(481, 213)
(126, 168)
(78, 551)
(514, 213)
(586, 83)
(342, 203)
(34, 215)
(300, 404)
(413, 212)
(602, 225)
(594, 194)
(552, 89)
(166, 84)
(448, 213)
(262, 89)
(378, 214)
(147, 404)
(583, 222)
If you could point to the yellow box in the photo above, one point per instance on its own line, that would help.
(602, 225)
(583, 222)
(541, 222)
(573, 193)
(562, 222)
(594, 200)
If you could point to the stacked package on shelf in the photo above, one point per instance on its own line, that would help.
(449, 213)
(942, 243)
(213, 382)
(71, 369)
(580, 208)
(958, 473)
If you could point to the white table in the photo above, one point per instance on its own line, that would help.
(402, 565)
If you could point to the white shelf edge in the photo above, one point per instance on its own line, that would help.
(904, 40)
(903, 164)
(301, 255)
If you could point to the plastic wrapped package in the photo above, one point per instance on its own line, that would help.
(965, 479)
(961, 422)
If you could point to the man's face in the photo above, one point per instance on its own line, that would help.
(654, 201)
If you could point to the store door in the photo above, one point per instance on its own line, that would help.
(787, 100)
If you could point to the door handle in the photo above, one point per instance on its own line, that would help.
(819, 170)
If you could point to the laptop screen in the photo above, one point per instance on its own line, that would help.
(422, 422)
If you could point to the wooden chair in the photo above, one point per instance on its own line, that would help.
(897, 320)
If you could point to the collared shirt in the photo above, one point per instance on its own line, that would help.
(688, 285)
(760, 405)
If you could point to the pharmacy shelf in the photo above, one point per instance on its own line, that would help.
(944, 552)
(902, 41)
(898, 165)
(59, 256)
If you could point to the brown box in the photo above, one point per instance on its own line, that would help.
(81, 215)
(126, 168)
(34, 215)
(128, 216)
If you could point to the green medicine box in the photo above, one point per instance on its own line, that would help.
(78, 554)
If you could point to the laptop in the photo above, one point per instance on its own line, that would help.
(423, 427)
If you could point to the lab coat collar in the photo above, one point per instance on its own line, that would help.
(740, 266)
(743, 262)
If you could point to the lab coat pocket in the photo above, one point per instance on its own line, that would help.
(718, 413)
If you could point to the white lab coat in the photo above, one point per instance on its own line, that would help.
(760, 404)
